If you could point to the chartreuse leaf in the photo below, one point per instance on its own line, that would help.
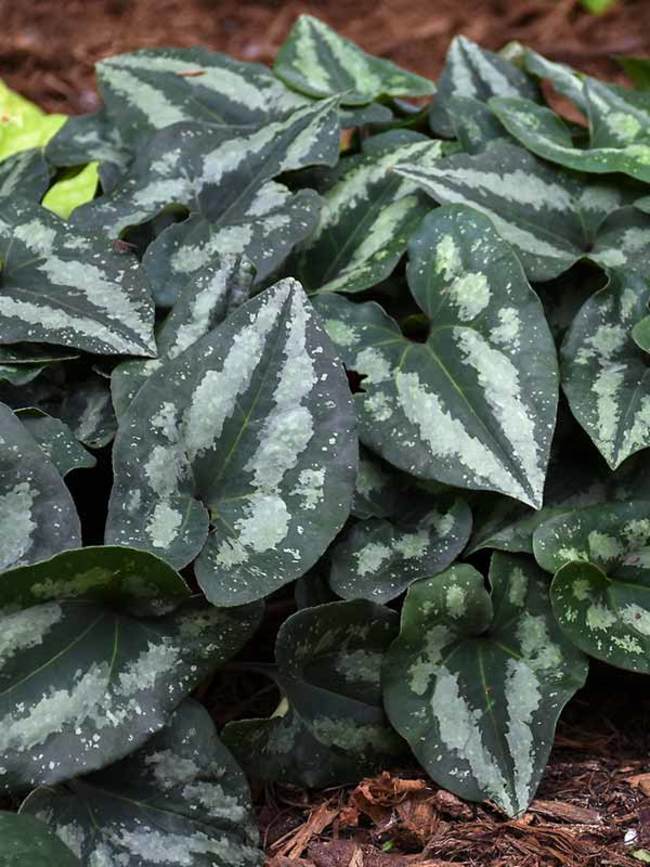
(72, 190)
(378, 559)
(37, 514)
(331, 728)
(474, 406)
(605, 373)
(83, 685)
(184, 775)
(641, 333)
(471, 71)
(601, 590)
(103, 573)
(147, 90)
(28, 841)
(76, 292)
(56, 440)
(26, 174)
(23, 125)
(476, 681)
(202, 304)
(250, 430)
(366, 218)
(317, 61)
(545, 134)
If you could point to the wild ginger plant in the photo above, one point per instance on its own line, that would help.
(402, 386)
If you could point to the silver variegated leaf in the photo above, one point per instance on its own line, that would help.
(25, 174)
(471, 71)
(476, 681)
(56, 440)
(475, 126)
(241, 451)
(221, 175)
(379, 489)
(75, 292)
(540, 130)
(366, 218)
(331, 728)
(378, 559)
(37, 514)
(147, 90)
(641, 333)
(317, 61)
(474, 406)
(565, 80)
(83, 685)
(122, 576)
(601, 590)
(183, 774)
(605, 374)
(28, 841)
(202, 304)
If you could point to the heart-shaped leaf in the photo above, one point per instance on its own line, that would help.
(82, 685)
(468, 407)
(540, 130)
(476, 680)
(378, 559)
(105, 573)
(250, 429)
(23, 125)
(331, 724)
(317, 61)
(601, 590)
(149, 89)
(471, 71)
(366, 218)
(605, 373)
(183, 774)
(74, 292)
(37, 515)
(28, 841)
(475, 126)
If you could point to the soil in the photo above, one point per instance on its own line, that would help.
(593, 805)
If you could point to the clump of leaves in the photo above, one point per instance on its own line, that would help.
(213, 362)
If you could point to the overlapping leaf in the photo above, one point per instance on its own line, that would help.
(183, 774)
(367, 218)
(601, 590)
(104, 573)
(548, 216)
(331, 728)
(26, 174)
(201, 305)
(74, 292)
(250, 430)
(604, 372)
(83, 685)
(317, 61)
(37, 515)
(25, 840)
(474, 406)
(56, 440)
(476, 681)
(378, 559)
(471, 71)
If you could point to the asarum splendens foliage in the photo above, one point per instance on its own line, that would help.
(344, 348)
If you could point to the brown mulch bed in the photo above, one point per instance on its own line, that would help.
(595, 794)
(48, 47)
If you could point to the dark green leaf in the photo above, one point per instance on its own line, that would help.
(26, 174)
(27, 842)
(251, 430)
(180, 799)
(476, 681)
(82, 686)
(641, 333)
(56, 440)
(317, 61)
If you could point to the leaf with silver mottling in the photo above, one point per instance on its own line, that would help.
(476, 681)
(251, 430)
(56, 440)
(83, 685)
(183, 773)
(25, 174)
